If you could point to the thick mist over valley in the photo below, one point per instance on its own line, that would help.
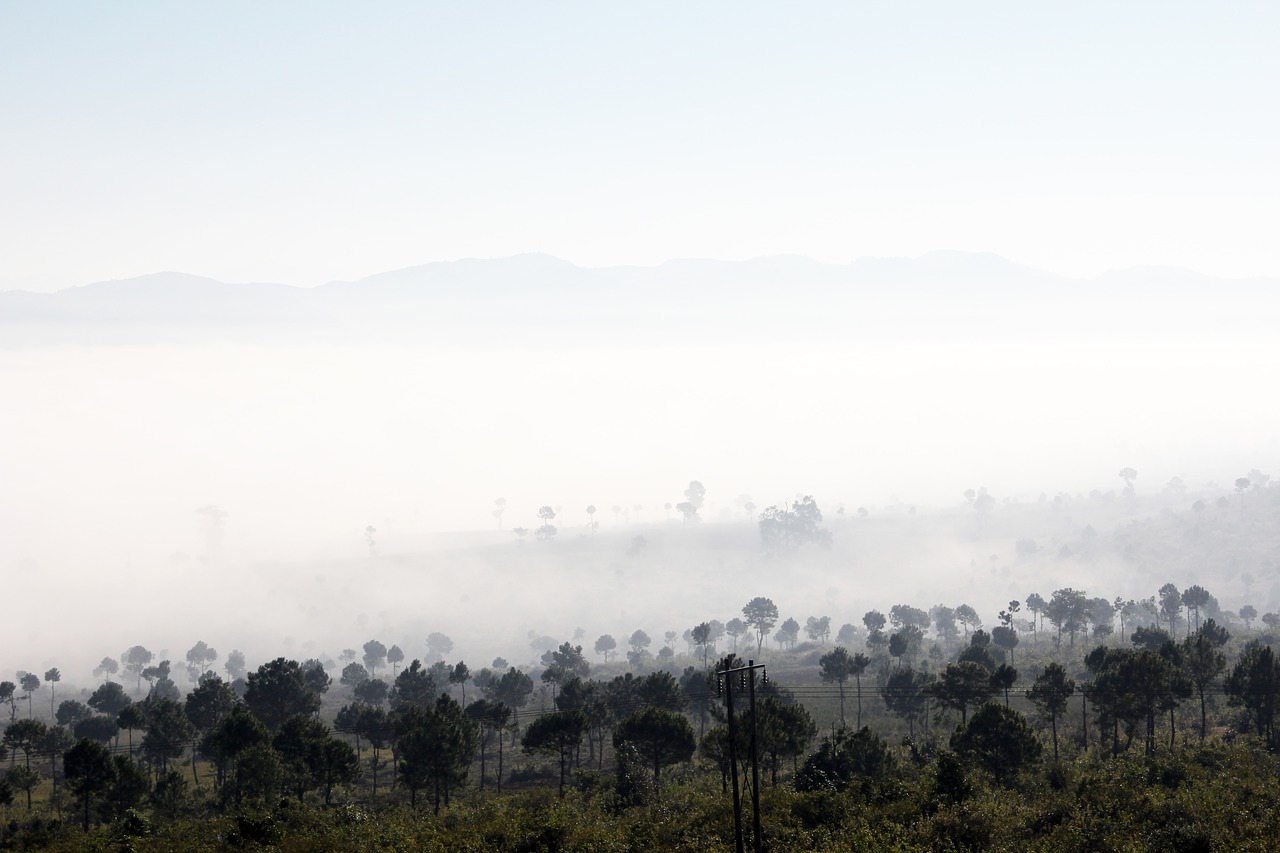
(174, 479)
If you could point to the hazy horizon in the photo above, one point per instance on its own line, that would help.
(1000, 246)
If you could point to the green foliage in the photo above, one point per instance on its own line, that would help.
(435, 747)
(843, 758)
(999, 740)
(660, 737)
(278, 690)
(558, 735)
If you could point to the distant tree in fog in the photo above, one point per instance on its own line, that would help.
(1242, 483)
(199, 658)
(235, 665)
(460, 675)
(8, 695)
(30, 684)
(1170, 606)
(617, 511)
(667, 507)
(874, 620)
(818, 628)
(788, 633)
(512, 689)
(903, 615)
(701, 636)
(352, 674)
(395, 656)
(591, 517)
(968, 617)
(369, 541)
(52, 677)
(639, 640)
(107, 668)
(1195, 598)
(499, 507)
(1037, 605)
(1248, 613)
(547, 530)
(846, 635)
(520, 532)
(784, 530)
(439, 645)
(944, 622)
(735, 628)
(694, 495)
(109, 699)
(761, 614)
(375, 656)
(605, 644)
(1128, 475)
(837, 665)
(135, 660)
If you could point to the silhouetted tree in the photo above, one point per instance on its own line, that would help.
(375, 656)
(1204, 663)
(52, 677)
(461, 674)
(89, 772)
(558, 734)
(109, 699)
(546, 531)
(960, 685)
(395, 656)
(135, 660)
(1254, 682)
(434, 747)
(439, 645)
(1195, 597)
(761, 614)
(277, 691)
(844, 758)
(1004, 677)
(837, 665)
(235, 664)
(605, 644)
(788, 632)
(904, 694)
(107, 668)
(660, 736)
(999, 740)
(199, 658)
(784, 530)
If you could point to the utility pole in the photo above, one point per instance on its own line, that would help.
(747, 681)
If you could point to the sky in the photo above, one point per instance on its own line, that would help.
(302, 143)
(306, 142)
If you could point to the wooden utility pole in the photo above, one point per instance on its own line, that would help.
(747, 681)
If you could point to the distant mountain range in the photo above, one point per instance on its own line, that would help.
(534, 297)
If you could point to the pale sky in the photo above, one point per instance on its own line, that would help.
(303, 142)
